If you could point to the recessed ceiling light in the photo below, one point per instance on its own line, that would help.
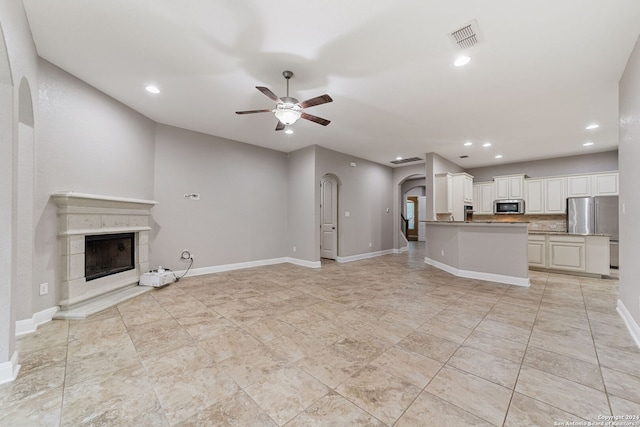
(587, 144)
(289, 131)
(486, 144)
(498, 156)
(468, 144)
(592, 126)
(399, 158)
(461, 60)
(152, 89)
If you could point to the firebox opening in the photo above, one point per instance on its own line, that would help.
(107, 254)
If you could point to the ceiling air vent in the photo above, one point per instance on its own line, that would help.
(467, 36)
(408, 160)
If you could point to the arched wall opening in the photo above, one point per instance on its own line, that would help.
(405, 184)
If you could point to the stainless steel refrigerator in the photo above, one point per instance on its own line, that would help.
(595, 215)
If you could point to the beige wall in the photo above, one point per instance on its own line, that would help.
(629, 191)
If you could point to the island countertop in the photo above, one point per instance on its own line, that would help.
(479, 223)
(564, 233)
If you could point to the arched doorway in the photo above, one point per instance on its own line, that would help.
(412, 192)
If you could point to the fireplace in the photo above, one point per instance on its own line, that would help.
(107, 254)
(104, 247)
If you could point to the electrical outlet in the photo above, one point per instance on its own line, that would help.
(370, 244)
(442, 253)
(44, 288)
(294, 249)
(186, 255)
(347, 214)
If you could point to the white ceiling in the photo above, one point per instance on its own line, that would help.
(545, 69)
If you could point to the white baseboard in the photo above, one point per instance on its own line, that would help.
(365, 255)
(28, 326)
(9, 370)
(632, 326)
(248, 264)
(490, 277)
(304, 263)
(402, 249)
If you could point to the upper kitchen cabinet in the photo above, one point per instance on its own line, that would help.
(579, 186)
(534, 196)
(444, 193)
(463, 187)
(509, 186)
(591, 185)
(453, 192)
(555, 195)
(483, 201)
(604, 184)
(545, 195)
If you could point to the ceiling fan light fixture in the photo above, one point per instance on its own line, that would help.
(288, 114)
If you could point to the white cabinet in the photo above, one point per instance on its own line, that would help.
(555, 195)
(467, 189)
(567, 253)
(483, 200)
(537, 250)
(545, 195)
(605, 184)
(509, 186)
(453, 192)
(597, 184)
(444, 193)
(534, 196)
(579, 186)
(462, 194)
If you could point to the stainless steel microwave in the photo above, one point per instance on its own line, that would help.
(508, 207)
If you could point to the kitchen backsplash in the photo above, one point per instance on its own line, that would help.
(536, 222)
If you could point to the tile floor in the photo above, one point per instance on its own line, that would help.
(384, 341)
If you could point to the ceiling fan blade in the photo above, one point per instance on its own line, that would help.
(272, 96)
(322, 99)
(253, 111)
(280, 125)
(316, 119)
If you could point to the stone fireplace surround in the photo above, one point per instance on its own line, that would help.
(82, 214)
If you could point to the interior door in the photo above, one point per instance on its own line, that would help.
(328, 218)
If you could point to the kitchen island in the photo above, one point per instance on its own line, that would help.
(485, 250)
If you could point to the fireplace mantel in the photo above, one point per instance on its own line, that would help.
(82, 214)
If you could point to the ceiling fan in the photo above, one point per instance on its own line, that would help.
(288, 109)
